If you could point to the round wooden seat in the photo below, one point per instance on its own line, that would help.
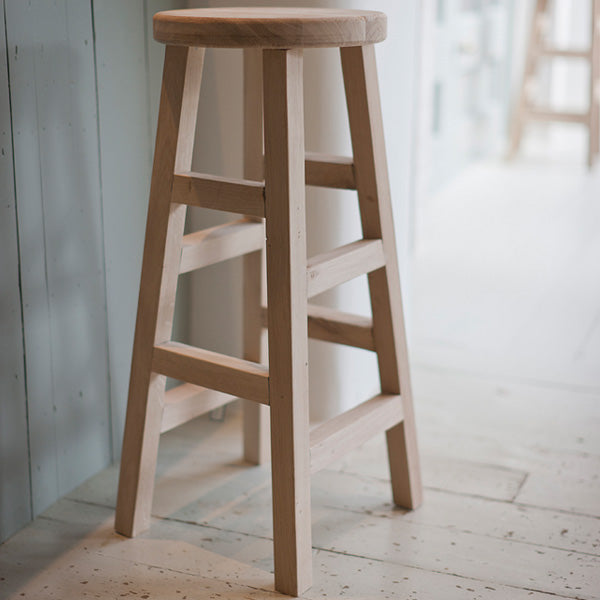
(269, 27)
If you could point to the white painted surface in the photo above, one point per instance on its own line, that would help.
(506, 279)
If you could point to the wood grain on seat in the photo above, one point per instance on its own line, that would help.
(275, 27)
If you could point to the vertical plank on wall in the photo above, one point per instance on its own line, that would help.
(34, 285)
(125, 172)
(53, 94)
(129, 66)
(15, 491)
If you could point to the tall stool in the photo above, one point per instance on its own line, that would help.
(537, 48)
(273, 205)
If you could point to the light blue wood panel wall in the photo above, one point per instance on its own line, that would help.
(79, 88)
(129, 67)
(15, 489)
(57, 181)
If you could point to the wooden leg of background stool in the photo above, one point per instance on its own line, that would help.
(256, 416)
(596, 71)
(534, 45)
(287, 308)
(160, 268)
(593, 115)
(366, 128)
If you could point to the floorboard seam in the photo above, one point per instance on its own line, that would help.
(374, 559)
(467, 531)
(466, 577)
(187, 573)
(516, 494)
(435, 489)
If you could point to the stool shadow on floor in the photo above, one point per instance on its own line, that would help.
(79, 555)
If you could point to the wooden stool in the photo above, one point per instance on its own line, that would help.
(536, 49)
(272, 40)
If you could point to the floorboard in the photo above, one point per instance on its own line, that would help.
(505, 349)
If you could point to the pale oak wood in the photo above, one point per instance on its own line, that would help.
(188, 401)
(286, 290)
(164, 229)
(366, 128)
(272, 27)
(339, 327)
(332, 325)
(331, 171)
(564, 53)
(219, 243)
(330, 269)
(220, 193)
(323, 170)
(538, 114)
(216, 371)
(594, 106)
(291, 280)
(594, 85)
(338, 436)
(253, 143)
(256, 417)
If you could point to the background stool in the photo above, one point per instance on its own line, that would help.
(538, 49)
(273, 205)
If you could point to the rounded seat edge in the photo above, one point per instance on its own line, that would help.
(275, 27)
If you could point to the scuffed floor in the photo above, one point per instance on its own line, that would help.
(511, 511)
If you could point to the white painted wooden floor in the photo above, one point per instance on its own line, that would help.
(506, 355)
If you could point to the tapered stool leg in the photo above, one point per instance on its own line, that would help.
(366, 127)
(160, 268)
(594, 107)
(534, 45)
(287, 317)
(256, 416)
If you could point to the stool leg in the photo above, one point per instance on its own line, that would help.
(287, 316)
(593, 115)
(256, 416)
(534, 45)
(160, 269)
(366, 128)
